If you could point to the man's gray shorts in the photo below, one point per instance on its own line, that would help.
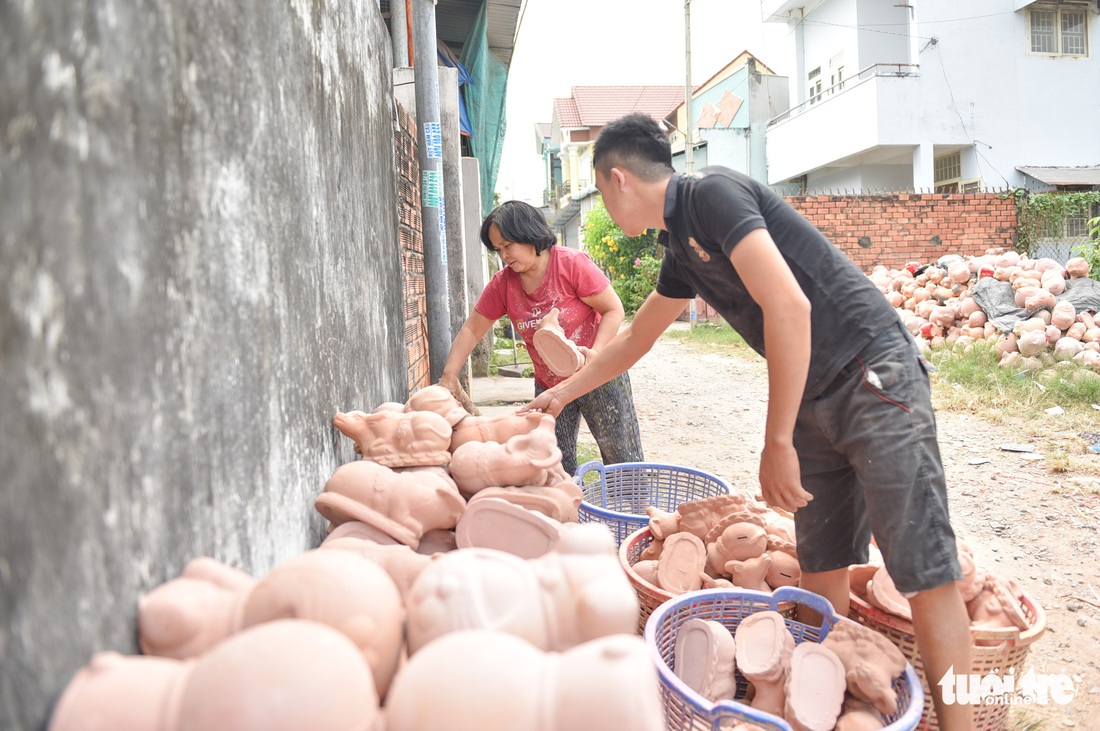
(869, 456)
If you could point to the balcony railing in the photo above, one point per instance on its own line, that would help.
(554, 195)
(871, 72)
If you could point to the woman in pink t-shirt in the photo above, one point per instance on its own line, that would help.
(539, 276)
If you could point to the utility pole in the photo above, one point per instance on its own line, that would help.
(689, 152)
(433, 215)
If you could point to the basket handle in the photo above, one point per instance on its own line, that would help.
(725, 711)
(586, 468)
(816, 602)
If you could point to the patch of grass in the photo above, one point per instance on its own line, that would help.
(708, 336)
(974, 381)
(586, 451)
(503, 355)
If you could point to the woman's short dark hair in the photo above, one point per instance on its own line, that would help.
(519, 222)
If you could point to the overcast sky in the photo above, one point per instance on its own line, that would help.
(565, 43)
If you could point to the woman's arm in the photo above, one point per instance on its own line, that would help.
(473, 330)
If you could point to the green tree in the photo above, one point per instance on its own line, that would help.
(630, 262)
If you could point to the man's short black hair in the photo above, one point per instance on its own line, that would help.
(519, 222)
(634, 142)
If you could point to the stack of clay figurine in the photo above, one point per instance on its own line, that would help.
(845, 682)
(993, 602)
(938, 307)
(721, 541)
(454, 590)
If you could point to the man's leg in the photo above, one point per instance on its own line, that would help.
(833, 585)
(942, 628)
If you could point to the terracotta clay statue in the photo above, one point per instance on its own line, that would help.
(481, 680)
(561, 501)
(343, 590)
(505, 526)
(572, 594)
(751, 573)
(704, 658)
(437, 540)
(401, 505)
(662, 524)
(561, 355)
(682, 562)
(402, 563)
(497, 429)
(783, 570)
(398, 439)
(815, 688)
(973, 580)
(317, 675)
(734, 541)
(525, 459)
(871, 662)
(698, 517)
(188, 615)
(857, 715)
(439, 400)
(882, 593)
(764, 648)
(997, 606)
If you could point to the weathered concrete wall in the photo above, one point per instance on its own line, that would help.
(198, 267)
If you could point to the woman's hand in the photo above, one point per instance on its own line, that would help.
(450, 382)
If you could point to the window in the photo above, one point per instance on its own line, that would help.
(948, 172)
(836, 76)
(1058, 239)
(813, 91)
(1058, 31)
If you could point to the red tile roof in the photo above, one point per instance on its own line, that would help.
(595, 106)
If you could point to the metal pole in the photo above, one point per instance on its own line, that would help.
(432, 204)
(689, 124)
(399, 33)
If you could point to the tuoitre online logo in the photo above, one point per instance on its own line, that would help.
(990, 690)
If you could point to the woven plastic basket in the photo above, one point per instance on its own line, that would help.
(686, 709)
(992, 652)
(620, 493)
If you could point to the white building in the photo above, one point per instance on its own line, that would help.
(939, 95)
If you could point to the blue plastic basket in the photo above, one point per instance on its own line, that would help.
(622, 492)
(686, 709)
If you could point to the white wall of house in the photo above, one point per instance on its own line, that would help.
(979, 90)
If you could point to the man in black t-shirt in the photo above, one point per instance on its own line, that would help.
(850, 441)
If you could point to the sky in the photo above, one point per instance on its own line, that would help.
(565, 43)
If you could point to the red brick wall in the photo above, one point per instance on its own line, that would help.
(412, 250)
(895, 229)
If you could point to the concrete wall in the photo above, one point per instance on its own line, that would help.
(198, 268)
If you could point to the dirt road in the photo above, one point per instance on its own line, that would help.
(706, 410)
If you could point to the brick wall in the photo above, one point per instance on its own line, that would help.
(895, 229)
(410, 231)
